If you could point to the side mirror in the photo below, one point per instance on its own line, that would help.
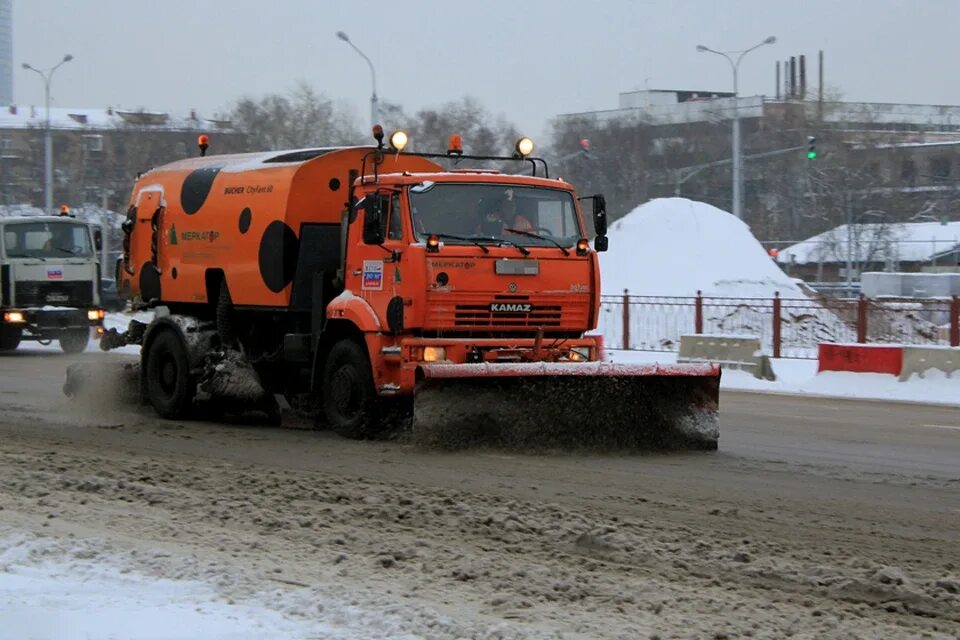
(600, 215)
(374, 219)
(98, 239)
(600, 243)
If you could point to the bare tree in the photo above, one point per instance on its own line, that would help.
(301, 118)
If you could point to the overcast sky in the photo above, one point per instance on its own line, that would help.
(528, 60)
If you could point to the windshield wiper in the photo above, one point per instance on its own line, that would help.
(24, 255)
(523, 250)
(464, 238)
(67, 251)
(531, 234)
(476, 240)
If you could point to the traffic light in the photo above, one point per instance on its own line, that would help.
(811, 148)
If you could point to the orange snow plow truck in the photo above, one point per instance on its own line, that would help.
(369, 285)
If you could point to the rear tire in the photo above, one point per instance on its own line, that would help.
(170, 387)
(10, 337)
(349, 399)
(74, 340)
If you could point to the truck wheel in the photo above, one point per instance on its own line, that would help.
(349, 400)
(74, 340)
(10, 338)
(169, 384)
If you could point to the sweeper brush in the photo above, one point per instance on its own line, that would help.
(544, 406)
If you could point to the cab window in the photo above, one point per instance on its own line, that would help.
(395, 226)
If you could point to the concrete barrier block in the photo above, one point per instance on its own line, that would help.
(734, 352)
(919, 360)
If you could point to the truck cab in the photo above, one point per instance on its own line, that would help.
(466, 267)
(49, 281)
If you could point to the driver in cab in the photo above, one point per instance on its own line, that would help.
(499, 216)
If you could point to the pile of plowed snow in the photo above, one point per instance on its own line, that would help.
(675, 247)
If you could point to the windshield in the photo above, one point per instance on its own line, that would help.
(46, 240)
(467, 213)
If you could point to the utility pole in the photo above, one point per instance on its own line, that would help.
(374, 109)
(47, 76)
(736, 151)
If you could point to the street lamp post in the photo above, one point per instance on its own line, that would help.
(47, 75)
(737, 168)
(374, 114)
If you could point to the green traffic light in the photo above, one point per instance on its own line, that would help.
(811, 155)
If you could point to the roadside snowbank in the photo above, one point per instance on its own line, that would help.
(676, 246)
(800, 377)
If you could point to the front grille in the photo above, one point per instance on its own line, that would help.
(472, 312)
(77, 293)
(478, 315)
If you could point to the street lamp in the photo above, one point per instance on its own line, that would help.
(47, 75)
(737, 169)
(374, 114)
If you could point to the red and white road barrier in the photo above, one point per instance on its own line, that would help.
(899, 360)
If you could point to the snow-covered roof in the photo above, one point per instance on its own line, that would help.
(875, 242)
(30, 116)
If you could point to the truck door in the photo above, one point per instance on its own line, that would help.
(374, 269)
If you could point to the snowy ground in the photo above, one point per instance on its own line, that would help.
(55, 586)
(58, 590)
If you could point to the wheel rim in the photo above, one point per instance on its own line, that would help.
(167, 373)
(343, 392)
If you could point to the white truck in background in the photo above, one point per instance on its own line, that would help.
(49, 281)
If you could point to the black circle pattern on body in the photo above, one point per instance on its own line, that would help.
(279, 249)
(196, 187)
(246, 217)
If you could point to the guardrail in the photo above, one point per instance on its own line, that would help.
(785, 327)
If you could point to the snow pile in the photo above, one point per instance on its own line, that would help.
(676, 246)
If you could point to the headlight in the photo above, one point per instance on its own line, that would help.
(95, 314)
(434, 354)
(13, 316)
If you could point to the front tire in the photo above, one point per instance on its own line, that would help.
(10, 337)
(349, 399)
(170, 387)
(74, 340)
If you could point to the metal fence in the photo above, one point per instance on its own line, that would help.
(786, 327)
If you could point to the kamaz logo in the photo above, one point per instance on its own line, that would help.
(510, 307)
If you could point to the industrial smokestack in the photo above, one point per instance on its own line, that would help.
(820, 89)
(793, 77)
(803, 77)
(776, 83)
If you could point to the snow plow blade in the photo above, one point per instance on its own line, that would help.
(593, 405)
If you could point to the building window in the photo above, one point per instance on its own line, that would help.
(940, 167)
(908, 172)
(93, 143)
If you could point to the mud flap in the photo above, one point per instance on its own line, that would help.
(575, 406)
